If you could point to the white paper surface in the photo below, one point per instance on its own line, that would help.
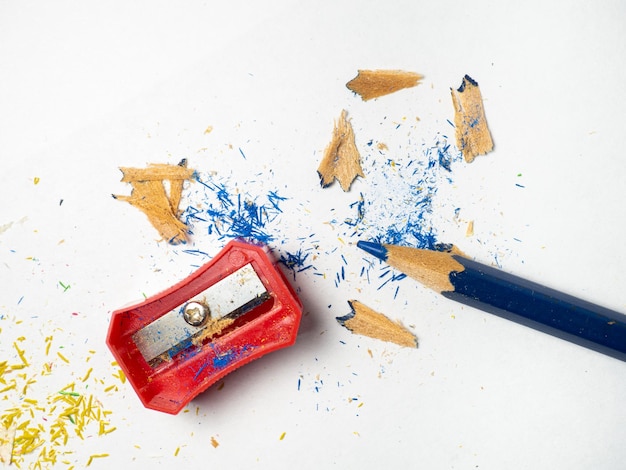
(87, 87)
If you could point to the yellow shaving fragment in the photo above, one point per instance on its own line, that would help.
(120, 375)
(69, 386)
(23, 426)
(78, 409)
(48, 344)
(42, 427)
(26, 385)
(9, 387)
(63, 358)
(87, 374)
(95, 456)
(21, 354)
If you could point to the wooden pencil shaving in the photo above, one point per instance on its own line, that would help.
(369, 84)
(341, 160)
(212, 328)
(472, 134)
(150, 194)
(367, 322)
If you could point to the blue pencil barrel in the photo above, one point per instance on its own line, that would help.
(539, 307)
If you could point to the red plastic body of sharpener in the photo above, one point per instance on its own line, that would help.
(171, 385)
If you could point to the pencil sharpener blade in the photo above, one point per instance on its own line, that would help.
(176, 344)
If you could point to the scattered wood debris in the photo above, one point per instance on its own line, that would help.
(341, 160)
(472, 134)
(369, 84)
(150, 195)
(470, 229)
(367, 322)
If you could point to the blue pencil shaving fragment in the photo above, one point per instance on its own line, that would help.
(230, 213)
(192, 214)
(295, 262)
(223, 358)
(444, 157)
(360, 212)
(275, 200)
(202, 367)
(196, 252)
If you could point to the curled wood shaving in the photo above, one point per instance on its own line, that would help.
(369, 84)
(150, 195)
(472, 134)
(341, 160)
(367, 322)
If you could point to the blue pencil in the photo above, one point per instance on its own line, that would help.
(510, 297)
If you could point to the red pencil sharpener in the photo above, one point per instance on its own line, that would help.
(176, 344)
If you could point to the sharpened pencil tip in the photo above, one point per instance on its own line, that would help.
(375, 249)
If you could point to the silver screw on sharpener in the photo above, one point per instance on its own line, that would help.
(195, 313)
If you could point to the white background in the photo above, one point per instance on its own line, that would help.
(86, 87)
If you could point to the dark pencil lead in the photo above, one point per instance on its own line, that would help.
(374, 249)
(342, 320)
(444, 247)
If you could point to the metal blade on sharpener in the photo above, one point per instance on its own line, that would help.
(230, 297)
